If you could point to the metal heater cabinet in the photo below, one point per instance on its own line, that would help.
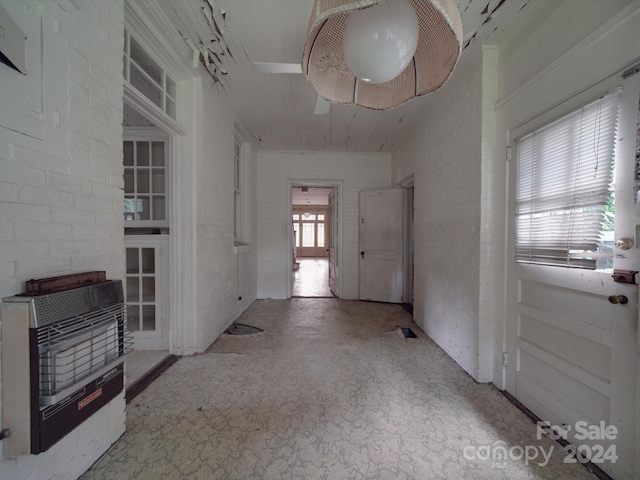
(62, 360)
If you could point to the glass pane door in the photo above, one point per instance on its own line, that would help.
(141, 288)
(146, 290)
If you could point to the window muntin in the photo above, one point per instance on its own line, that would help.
(144, 74)
(145, 183)
(564, 173)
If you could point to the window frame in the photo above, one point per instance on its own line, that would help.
(241, 214)
(543, 125)
(168, 99)
(151, 135)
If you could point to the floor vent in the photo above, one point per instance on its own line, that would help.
(408, 333)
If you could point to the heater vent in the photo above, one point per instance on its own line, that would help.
(59, 306)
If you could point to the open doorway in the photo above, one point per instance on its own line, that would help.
(313, 241)
(409, 208)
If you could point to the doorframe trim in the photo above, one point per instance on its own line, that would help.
(142, 20)
(408, 246)
(338, 185)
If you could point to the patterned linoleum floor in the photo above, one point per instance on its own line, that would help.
(330, 390)
(311, 278)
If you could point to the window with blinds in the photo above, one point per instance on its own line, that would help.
(564, 174)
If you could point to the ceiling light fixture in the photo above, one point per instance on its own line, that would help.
(380, 41)
(362, 51)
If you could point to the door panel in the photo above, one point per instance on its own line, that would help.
(381, 274)
(572, 353)
(147, 290)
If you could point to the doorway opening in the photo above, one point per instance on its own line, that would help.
(408, 213)
(147, 173)
(314, 239)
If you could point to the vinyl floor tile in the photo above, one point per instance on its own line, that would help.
(330, 390)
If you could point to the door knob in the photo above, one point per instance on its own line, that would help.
(618, 299)
(362, 254)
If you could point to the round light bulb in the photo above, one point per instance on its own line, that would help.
(380, 41)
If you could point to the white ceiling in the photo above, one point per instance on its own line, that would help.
(278, 109)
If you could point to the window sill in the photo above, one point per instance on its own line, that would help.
(241, 248)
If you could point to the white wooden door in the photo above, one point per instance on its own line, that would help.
(571, 353)
(147, 292)
(380, 235)
(332, 238)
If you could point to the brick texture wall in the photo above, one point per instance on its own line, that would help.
(61, 194)
(444, 155)
(358, 171)
(224, 273)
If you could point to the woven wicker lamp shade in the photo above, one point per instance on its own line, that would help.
(324, 64)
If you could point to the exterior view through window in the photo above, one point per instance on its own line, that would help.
(564, 198)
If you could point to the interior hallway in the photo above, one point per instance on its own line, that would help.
(331, 389)
(311, 278)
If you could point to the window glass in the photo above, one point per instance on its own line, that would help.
(149, 89)
(320, 235)
(308, 234)
(145, 62)
(563, 189)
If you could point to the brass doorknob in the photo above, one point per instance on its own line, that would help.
(618, 299)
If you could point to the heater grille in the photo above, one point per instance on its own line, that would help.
(80, 348)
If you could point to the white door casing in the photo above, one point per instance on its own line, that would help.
(337, 186)
(332, 235)
(381, 237)
(148, 178)
(572, 353)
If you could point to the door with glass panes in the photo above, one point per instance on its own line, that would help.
(572, 328)
(309, 226)
(146, 220)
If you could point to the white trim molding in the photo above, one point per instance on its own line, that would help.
(339, 188)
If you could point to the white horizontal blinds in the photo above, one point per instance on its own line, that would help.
(563, 176)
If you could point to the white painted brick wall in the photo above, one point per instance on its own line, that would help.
(219, 268)
(492, 219)
(444, 154)
(61, 198)
(358, 171)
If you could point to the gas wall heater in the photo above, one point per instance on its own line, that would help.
(62, 360)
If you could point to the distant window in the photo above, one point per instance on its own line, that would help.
(563, 196)
(144, 74)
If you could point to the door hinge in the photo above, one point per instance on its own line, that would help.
(505, 358)
(508, 156)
